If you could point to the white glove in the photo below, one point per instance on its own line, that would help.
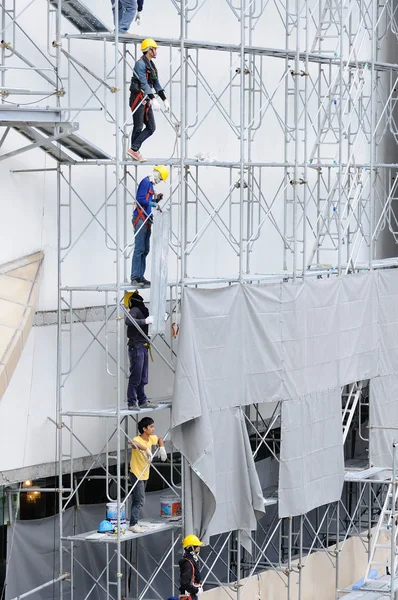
(155, 104)
(149, 320)
(166, 316)
(162, 453)
(149, 454)
(138, 18)
(200, 591)
(166, 105)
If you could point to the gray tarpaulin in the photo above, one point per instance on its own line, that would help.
(312, 461)
(251, 344)
(223, 491)
(33, 559)
(329, 333)
(383, 412)
(388, 321)
(160, 253)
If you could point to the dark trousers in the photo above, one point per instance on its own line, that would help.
(142, 237)
(138, 375)
(137, 498)
(142, 116)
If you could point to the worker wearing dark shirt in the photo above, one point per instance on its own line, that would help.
(143, 87)
(138, 351)
(190, 576)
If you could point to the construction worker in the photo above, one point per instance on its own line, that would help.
(141, 457)
(146, 199)
(144, 84)
(127, 13)
(190, 576)
(138, 351)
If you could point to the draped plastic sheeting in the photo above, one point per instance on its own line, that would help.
(224, 465)
(33, 557)
(329, 333)
(312, 461)
(160, 253)
(388, 321)
(383, 412)
(243, 344)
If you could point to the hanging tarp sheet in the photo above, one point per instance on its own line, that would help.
(160, 253)
(222, 480)
(243, 344)
(383, 406)
(34, 545)
(388, 321)
(329, 333)
(311, 461)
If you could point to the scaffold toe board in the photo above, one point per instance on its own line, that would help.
(78, 145)
(80, 16)
(32, 115)
(111, 411)
(153, 526)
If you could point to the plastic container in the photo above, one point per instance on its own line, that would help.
(111, 511)
(170, 506)
(111, 515)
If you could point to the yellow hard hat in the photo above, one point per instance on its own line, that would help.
(191, 540)
(148, 43)
(163, 171)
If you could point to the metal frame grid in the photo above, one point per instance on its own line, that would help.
(331, 178)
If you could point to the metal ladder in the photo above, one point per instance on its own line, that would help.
(350, 408)
(387, 522)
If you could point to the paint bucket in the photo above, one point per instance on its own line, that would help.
(170, 506)
(111, 514)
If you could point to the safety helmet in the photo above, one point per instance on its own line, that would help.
(191, 540)
(163, 171)
(105, 527)
(148, 43)
(134, 296)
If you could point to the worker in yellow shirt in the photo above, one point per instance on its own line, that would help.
(141, 457)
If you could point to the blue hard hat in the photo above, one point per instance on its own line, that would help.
(104, 527)
(172, 598)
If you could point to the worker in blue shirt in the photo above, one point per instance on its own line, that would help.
(144, 84)
(127, 13)
(146, 199)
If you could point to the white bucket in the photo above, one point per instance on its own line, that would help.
(170, 506)
(111, 513)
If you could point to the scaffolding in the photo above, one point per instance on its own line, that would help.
(323, 195)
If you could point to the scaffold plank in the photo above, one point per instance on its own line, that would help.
(270, 495)
(80, 16)
(366, 474)
(377, 590)
(111, 412)
(154, 526)
(78, 145)
(283, 53)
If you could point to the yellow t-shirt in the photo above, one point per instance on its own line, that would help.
(139, 461)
